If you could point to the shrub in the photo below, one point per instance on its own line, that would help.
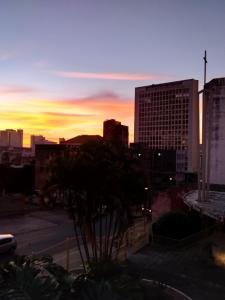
(177, 225)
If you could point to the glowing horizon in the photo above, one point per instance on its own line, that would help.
(65, 117)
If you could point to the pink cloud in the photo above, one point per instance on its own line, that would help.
(16, 90)
(58, 114)
(111, 76)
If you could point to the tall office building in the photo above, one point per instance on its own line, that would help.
(213, 147)
(115, 131)
(167, 118)
(11, 138)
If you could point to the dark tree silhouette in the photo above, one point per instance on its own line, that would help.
(102, 184)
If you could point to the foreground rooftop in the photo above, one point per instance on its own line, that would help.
(214, 207)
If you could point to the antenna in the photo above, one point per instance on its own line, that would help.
(205, 63)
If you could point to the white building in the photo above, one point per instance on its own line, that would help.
(38, 140)
(214, 134)
(11, 138)
(167, 117)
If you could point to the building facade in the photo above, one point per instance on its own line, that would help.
(114, 131)
(11, 138)
(167, 118)
(38, 140)
(213, 147)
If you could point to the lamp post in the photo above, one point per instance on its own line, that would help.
(148, 204)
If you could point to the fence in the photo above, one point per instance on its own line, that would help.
(67, 254)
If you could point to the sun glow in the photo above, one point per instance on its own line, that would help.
(64, 117)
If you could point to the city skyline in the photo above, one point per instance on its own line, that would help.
(67, 67)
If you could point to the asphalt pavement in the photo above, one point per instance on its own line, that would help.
(37, 230)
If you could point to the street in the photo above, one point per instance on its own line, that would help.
(44, 232)
(37, 231)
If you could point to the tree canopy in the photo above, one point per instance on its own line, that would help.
(102, 183)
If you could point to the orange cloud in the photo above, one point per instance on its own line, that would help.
(110, 76)
(66, 117)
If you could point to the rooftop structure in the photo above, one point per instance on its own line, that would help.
(114, 131)
(81, 139)
(214, 207)
(38, 140)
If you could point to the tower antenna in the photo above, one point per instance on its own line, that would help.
(205, 63)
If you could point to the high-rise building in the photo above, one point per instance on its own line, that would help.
(167, 118)
(116, 132)
(213, 147)
(11, 138)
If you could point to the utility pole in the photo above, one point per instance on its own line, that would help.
(205, 139)
(205, 64)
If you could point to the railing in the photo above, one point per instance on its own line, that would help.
(66, 253)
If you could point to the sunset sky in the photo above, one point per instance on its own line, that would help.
(67, 65)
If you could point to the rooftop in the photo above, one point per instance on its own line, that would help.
(214, 207)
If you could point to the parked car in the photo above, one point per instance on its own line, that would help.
(7, 243)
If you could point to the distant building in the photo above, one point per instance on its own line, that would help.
(81, 139)
(38, 140)
(11, 138)
(61, 140)
(44, 153)
(116, 132)
(163, 168)
(213, 147)
(167, 119)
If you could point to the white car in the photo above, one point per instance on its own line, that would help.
(7, 243)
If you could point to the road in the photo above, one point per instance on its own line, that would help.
(43, 232)
(37, 230)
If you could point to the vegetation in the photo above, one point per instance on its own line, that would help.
(32, 278)
(177, 225)
(102, 183)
